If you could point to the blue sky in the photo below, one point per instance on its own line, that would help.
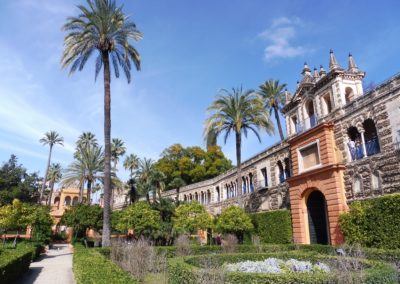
(190, 50)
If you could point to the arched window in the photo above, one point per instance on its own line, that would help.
(67, 201)
(251, 182)
(280, 172)
(208, 197)
(75, 200)
(357, 185)
(355, 144)
(218, 194)
(57, 201)
(312, 118)
(348, 94)
(294, 124)
(196, 196)
(372, 146)
(287, 168)
(244, 189)
(326, 104)
(184, 197)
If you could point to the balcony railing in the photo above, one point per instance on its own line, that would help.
(372, 147)
(306, 124)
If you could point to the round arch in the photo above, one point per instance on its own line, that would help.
(317, 216)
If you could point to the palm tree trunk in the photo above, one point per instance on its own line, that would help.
(239, 163)
(278, 122)
(106, 235)
(89, 191)
(45, 175)
(80, 200)
(51, 193)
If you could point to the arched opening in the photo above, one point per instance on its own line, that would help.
(67, 201)
(184, 197)
(264, 182)
(75, 200)
(244, 189)
(218, 194)
(376, 184)
(280, 172)
(371, 138)
(287, 168)
(354, 144)
(190, 197)
(251, 182)
(326, 104)
(317, 218)
(310, 112)
(196, 196)
(294, 124)
(208, 197)
(348, 94)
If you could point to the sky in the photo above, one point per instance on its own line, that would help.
(190, 51)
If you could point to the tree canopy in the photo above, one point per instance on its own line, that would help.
(191, 164)
(190, 217)
(234, 220)
(15, 182)
(83, 216)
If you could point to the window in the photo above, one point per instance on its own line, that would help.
(349, 95)
(309, 156)
(371, 138)
(326, 104)
(294, 124)
(264, 183)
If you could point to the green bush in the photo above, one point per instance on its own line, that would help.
(15, 262)
(92, 267)
(373, 223)
(188, 269)
(274, 227)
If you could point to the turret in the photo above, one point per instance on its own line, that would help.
(352, 64)
(332, 61)
(322, 71)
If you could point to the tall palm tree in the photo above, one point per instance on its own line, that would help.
(88, 167)
(87, 139)
(131, 163)
(117, 150)
(102, 28)
(50, 138)
(274, 96)
(54, 175)
(149, 179)
(238, 112)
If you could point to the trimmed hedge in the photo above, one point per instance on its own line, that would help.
(188, 269)
(274, 227)
(374, 222)
(15, 262)
(92, 267)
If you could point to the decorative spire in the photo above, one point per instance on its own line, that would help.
(332, 61)
(322, 71)
(288, 96)
(316, 75)
(306, 70)
(352, 64)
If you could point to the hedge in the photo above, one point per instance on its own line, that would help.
(92, 267)
(274, 227)
(189, 269)
(14, 262)
(373, 223)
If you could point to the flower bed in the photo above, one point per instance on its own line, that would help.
(189, 269)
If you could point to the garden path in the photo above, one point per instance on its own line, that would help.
(55, 266)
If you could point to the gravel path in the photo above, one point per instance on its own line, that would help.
(53, 267)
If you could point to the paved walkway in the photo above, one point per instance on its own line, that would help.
(53, 267)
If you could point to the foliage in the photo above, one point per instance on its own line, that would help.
(92, 267)
(234, 220)
(15, 262)
(188, 165)
(190, 217)
(16, 183)
(166, 209)
(117, 150)
(40, 222)
(273, 227)
(82, 217)
(141, 218)
(373, 222)
(186, 270)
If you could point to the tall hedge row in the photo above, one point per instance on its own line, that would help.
(15, 262)
(373, 223)
(273, 226)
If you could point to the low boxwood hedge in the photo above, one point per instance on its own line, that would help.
(189, 269)
(14, 262)
(90, 266)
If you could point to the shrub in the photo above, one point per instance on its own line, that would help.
(190, 217)
(185, 270)
(233, 220)
(15, 262)
(182, 244)
(373, 222)
(92, 267)
(83, 216)
(273, 227)
(229, 243)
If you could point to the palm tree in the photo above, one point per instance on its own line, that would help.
(87, 139)
(88, 167)
(117, 150)
(131, 163)
(50, 138)
(104, 29)
(54, 175)
(274, 97)
(239, 112)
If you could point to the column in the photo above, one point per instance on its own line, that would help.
(363, 143)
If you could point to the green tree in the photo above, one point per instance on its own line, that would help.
(87, 139)
(117, 150)
(149, 180)
(87, 167)
(238, 112)
(82, 217)
(16, 183)
(166, 209)
(50, 138)
(54, 175)
(274, 97)
(190, 217)
(40, 222)
(141, 218)
(131, 163)
(234, 220)
(103, 28)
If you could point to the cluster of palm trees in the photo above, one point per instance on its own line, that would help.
(241, 111)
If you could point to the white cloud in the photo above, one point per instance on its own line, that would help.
(279, 37)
